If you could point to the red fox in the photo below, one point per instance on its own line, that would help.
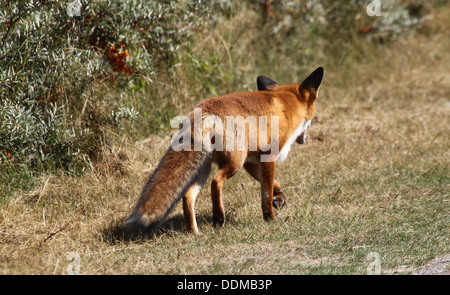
(186, 165)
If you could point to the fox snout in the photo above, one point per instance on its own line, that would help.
(301, 139)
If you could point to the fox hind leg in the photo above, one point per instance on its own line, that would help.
(189, 208)
(279, 199)
(190, 197)
(216, 192)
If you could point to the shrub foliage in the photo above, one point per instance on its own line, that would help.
(53, 52)
(54, 55)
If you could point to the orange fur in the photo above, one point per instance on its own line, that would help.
(182, 174)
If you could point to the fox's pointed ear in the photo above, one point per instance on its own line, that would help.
(313, 81)
(264, 83)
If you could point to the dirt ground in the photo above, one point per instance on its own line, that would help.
(438, 266)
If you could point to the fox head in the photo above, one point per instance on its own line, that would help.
(307, 92)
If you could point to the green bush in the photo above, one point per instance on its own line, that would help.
(55, 55)
(288, 38)
(69, 72)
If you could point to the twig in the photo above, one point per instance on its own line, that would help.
(80, 117)
(227, 51)
(54, 233)
(43, 190)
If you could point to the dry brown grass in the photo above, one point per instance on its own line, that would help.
(374, 177)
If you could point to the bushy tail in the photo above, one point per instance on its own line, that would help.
(176, 172)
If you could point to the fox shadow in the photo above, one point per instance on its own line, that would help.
(117, 232)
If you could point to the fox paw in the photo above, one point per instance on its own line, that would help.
(218, 221)
(278, 200)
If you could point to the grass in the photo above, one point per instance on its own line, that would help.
(374, 177)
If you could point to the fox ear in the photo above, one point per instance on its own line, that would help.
(313, 81)
(264, 83)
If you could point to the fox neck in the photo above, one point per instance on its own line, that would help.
(287, 146)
